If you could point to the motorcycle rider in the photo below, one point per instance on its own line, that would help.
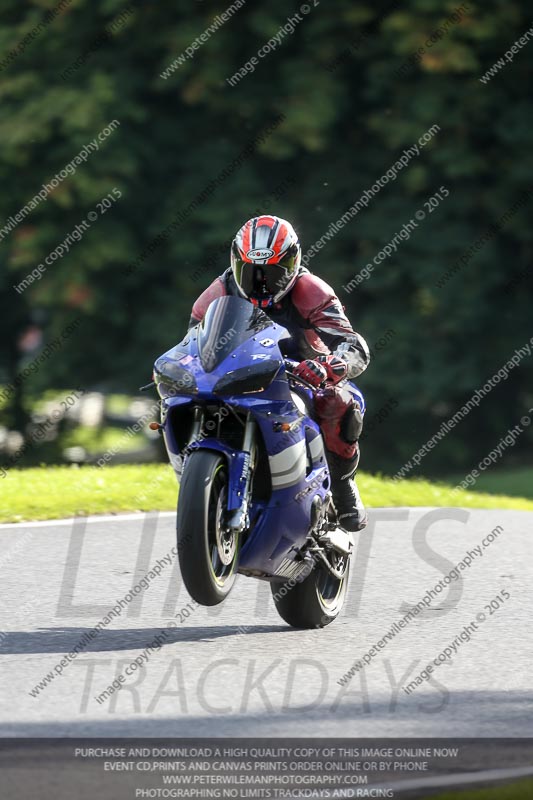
(266, 270)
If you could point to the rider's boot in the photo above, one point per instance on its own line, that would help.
(351, 512)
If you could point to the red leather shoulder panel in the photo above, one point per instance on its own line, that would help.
(311, 293)
(216, 289)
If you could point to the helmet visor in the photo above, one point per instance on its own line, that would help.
(262, 280)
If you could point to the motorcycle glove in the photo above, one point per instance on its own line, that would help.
(312, 371)
(336, 367)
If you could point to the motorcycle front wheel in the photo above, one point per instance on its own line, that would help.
(207, 552)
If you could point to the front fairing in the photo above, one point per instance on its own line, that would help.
(233, 352)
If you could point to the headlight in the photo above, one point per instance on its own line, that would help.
(172, 380)
(248, 379)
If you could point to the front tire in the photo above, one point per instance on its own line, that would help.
(313, 603)
(207, 554)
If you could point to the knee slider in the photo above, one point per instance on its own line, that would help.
(352, 424)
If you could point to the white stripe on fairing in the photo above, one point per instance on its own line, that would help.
(316, 447)
(299, 403)
(457, 779)
(288, 467)
(291, 479)
(294, 474)
(287, 458)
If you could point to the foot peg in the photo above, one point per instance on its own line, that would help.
(339, 540)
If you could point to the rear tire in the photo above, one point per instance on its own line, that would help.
(207, 555)
(313, 603)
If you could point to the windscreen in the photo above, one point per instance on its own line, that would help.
(228, 323)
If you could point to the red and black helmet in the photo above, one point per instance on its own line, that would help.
(265, 259)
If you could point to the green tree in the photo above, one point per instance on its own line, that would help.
(355, 93)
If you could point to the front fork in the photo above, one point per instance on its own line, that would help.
(197, 424)
(238, 518)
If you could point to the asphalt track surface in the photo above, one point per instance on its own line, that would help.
(238, 669)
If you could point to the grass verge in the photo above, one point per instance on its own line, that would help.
(516, 482)
(54, 492)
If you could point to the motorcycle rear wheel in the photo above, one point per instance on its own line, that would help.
(207, 554)
(313, 603)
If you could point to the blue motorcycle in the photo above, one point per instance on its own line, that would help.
(254, 492)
